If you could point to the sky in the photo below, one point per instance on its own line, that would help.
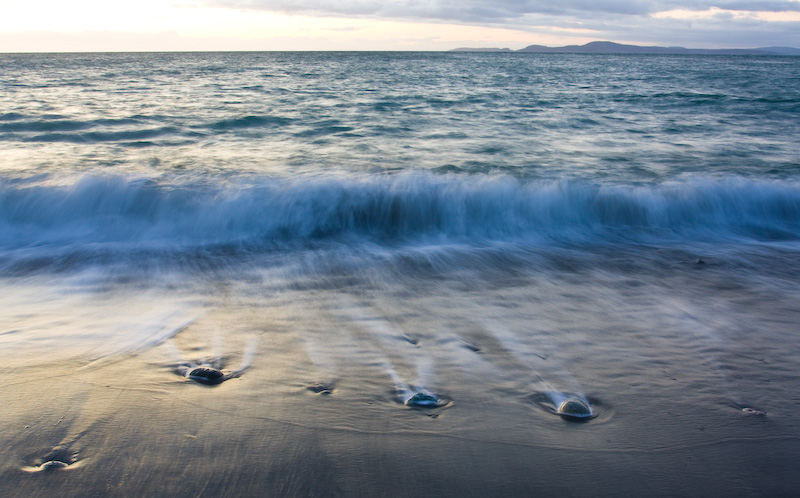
(175, 25)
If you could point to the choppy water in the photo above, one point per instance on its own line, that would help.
(528, 224)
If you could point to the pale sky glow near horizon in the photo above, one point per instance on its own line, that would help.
(202, 25)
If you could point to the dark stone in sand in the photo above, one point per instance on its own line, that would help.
(321, 389)
(411, 339)
(206, 375)
(472, 347)
(575, 408)
(53, 465)
(423, 400)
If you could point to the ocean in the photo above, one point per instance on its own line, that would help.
(336, 232)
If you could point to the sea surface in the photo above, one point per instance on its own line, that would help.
(504, 230)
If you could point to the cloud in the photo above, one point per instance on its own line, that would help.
(717, 31)
(500, 11)
(402, 24)
(444, 10)
(708, 22)
(735, 5)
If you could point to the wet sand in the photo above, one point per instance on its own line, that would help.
(691, 399)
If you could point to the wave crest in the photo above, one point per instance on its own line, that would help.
(265, 213)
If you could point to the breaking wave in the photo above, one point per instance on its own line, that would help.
(263, 214)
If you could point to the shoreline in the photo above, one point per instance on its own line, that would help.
(667, 421)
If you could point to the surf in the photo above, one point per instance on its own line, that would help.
(97, 213)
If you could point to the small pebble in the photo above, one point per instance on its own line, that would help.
(423, 400)
(321, 389)
(575, 408)
(206, 375)
(53, 465)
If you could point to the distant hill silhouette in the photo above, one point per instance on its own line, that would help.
(606, 47)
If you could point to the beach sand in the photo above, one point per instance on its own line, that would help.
(689, 401)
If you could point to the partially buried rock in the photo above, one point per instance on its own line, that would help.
(423, 400)
(321, 389)
(411, 339)
(48, 466)
(53, 465)
(206, 375)
(575, 408)
(472, 347)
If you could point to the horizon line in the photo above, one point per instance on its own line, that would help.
(487, 49)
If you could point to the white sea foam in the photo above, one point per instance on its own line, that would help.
(119, 221)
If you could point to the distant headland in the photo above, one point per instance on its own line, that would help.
(606, 47)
